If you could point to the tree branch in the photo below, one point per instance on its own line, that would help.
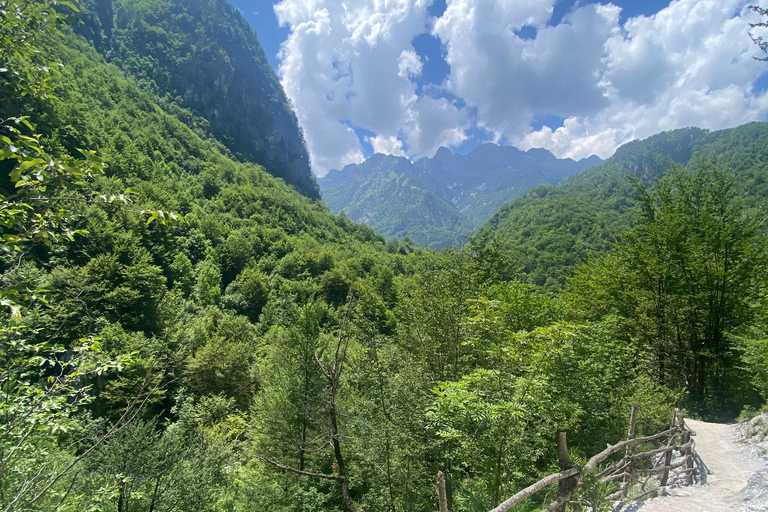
(300, 472)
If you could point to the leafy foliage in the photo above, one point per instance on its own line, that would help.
(233, 320)
(438, 202)
(686, 279)
(550, 231)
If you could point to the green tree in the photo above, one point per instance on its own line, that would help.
(151, 467)
(208, 289)
(38, 385)
(183, 273)
(248, 294)
(686, 278)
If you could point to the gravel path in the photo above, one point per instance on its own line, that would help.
(738, 479)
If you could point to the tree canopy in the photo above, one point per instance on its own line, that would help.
(265, 354)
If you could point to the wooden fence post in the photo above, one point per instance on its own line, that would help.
(442, 498)
(686, 452)
(566, 486)
(668, 454)
(630, 435)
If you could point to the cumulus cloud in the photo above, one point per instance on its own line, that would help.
(433, 123)
(511, 79)
(387, 145)
(689, 65)
(409, 64)
(352, 65)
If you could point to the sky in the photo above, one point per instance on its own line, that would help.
(405, 77)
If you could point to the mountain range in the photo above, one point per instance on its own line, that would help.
(438, 201)
(551, 230)
(187, 327)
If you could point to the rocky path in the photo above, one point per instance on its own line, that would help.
(738, 479)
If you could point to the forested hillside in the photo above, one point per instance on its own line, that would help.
(550, 230)
(203, 56)
(182, 331)
(440, 201)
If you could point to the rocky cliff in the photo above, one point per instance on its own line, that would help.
(202, 55)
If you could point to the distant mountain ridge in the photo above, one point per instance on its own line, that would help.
(437, 201)
(549, 231)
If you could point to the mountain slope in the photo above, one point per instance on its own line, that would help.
(437, 201)
(551, 229)
(245, 328)
(203, 56)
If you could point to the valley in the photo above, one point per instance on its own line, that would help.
(190, 321)
(440, 201)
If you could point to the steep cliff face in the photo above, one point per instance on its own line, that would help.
(202, 55)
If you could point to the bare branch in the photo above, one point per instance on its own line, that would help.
(300, 472)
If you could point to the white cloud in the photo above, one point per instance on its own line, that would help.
(432, 123)
(386, 145)
(349, 64)
(572, 140)
(511, 79)
(352, 64)
(689, 65)
(409, 64)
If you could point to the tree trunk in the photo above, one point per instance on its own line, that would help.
(442, 500)
(337, 450)
(566, 486)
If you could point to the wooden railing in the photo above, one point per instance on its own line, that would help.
(642, 475)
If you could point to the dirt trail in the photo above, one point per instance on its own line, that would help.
(731, 466)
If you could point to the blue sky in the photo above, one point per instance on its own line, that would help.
(408, 76)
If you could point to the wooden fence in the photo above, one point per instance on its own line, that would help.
(641, 475)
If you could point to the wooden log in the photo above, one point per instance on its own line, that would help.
(684, 439)
(659, 460)
(536, 487)
(667, 462)
(556, 505)
(680, 420)
(661, 450)
(442, 497)
(613, 469)
(660, 469)
(600, 457)
(617, 476)
(628, 455)
(566, 486)
(611, 473)
(616, 495)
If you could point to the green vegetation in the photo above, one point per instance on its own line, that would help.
(182, 331)
(551, 230)
(439, 202)
(197, 58)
